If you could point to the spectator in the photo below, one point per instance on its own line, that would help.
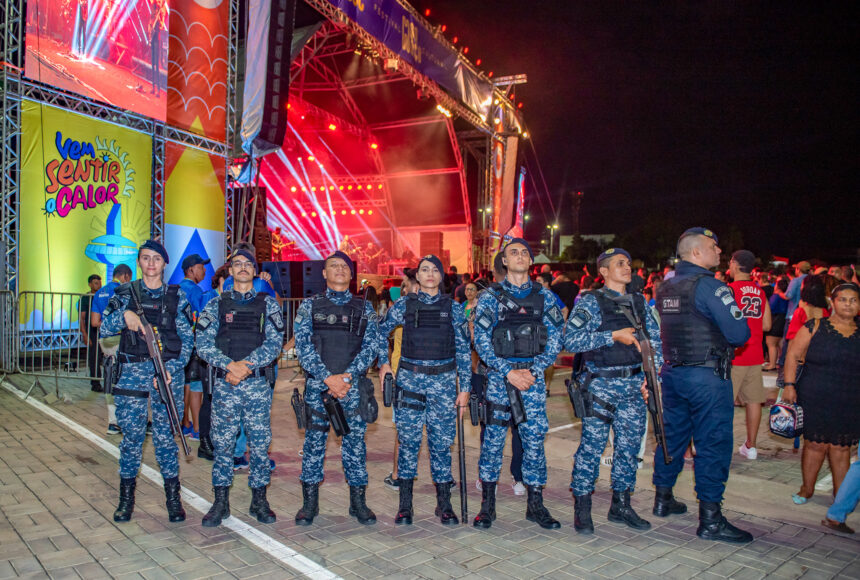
(778, 306)
(637, 281)
(566, 288)
(90, 333)
(801, 270)
(845, 502)
(460, 291)
(451, 280)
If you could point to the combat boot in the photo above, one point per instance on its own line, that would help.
(404, 514)
(126, 499)
(220, 509)
(621, 512)
(310, 504)
(444, 511)
(358, 507)
(582, 514)
(260, 506)
(485, 517)
(714, 526)
(535, 510)
(175, 511)
(206, 450)
(665, 503)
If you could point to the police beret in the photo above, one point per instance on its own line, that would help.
(433, 260)
(519, 241)
(155, 247)
(700, 232)
(345, 258)
(246, 254)
(609, 252)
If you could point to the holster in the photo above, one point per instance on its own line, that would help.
(518, 410)
(388, 389)
(336, 416)
(208, 380)
(298, 403)
(474, 408)
(404, 399)
(368, 408)
(583, 400)
(271, 375)
(112, 369)
(577, 398)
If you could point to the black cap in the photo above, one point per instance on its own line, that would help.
(245, 253)
(193, 260)
(155, 247)
(745, 260)
(93, 277)
(519, 241)
(433, 260)
(345, 258)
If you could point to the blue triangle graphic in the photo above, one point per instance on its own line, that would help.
(195, 246)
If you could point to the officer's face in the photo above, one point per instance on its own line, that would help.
(617, 270)
(242, 269)
(428, 275)
(151, 263)
(337, 272)
(709, 252)
(517, 258)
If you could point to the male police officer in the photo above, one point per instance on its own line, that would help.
(517, 334)
(240, 334)
(435, 345)
(701, 323)
(337, 338)
(166, 309)
(599, 328)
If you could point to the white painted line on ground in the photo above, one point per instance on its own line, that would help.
(265, 542)
(562, 427)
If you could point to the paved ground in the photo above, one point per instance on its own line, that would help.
(58, 492)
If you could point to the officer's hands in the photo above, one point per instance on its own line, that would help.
(132, 321)
(338, 385)
(462, 403)
(626, 336)
(644, 390)
(265, 277)
(233, 379)
(239, 369)
(789, 394)
(384, 370)
(155, 380)
(522, 379)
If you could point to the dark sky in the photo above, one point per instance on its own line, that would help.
(708, 113)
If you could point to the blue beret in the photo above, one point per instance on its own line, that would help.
(155, 247)
(433, 260)
(700, 232)
(345, 258)
(609, 252)
(246, 254)
(519, 241)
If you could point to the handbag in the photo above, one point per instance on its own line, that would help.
(786, 420)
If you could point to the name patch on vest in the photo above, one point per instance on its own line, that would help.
(671, 305)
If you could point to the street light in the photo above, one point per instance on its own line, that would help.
(485, 213)
(552, 230)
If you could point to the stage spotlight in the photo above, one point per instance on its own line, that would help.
(343, 212)
(520, 105)
(340, 188)
(525, 135)
(349, 188)
(304, 214)
(444, 28)
(331, 188)
(374, 146)
(313, 214)
(361, 212)
(332, 126)
(454, 40)
(380, 186)
(314, 188)
(370, 212)
(352, 211)
(497, 121)
(495, 101)
(443, 110)
(427, 13)
(478, 62)
(310, 158)
(293, 189)
(359, 187)
(465, 50)
(304, 189)
(490, 74)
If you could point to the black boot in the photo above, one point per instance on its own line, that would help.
(485, 517)
(622, 512)
(443, 504)
(536, 512)
(665, 503)
(714, 526)
(260, 506)
(404, 513)
(220, 507)
(310, 504)
(582, 514)
(206, 449)
(175, 512)
(358, 506)
(126, 499)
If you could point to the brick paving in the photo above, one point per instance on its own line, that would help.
(58, 493)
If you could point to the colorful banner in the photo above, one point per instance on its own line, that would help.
(85, 199)
(193, 209)
(397, 28)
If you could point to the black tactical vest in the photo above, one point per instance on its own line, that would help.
(241, 327)
(428, 329)
(338, 331)
(688, 337)
(161, 315)
(613, 318)
(520, 331)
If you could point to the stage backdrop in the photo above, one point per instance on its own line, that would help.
(84, 199)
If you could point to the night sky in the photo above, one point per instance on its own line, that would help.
(671, 115)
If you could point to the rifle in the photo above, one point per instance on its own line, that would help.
(153, 345)
(461, 450)
(652, 382)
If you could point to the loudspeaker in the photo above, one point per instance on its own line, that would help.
(431, 243)
(296, 279)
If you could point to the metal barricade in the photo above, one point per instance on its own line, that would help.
(8, 333)
(290, 307)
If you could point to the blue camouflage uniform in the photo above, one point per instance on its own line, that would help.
(353, 450)
(437, 412)
(630, 418)
(131, 412)
(533, 431)
(249, 403)
(697, 403)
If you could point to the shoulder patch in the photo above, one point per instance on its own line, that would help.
(485, 321)
(736, 312)
(722, 289)
(189, 313)
(580, 318)
(206, 319)
(555, 315)
(277, 319)
(727, 299)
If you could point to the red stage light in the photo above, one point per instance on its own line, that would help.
(380, 186)
(313, 214)
(370, 212)
(361, 212)
(332, 126)
(289, 106)
(427, 12)
(374, 146)
(313, 188)
(490, 74)
(343, 212)
(340, 188)
(520, 105)
(466, 50)
(349, 188)
(352, 211)
(359, 187)
(478, 62)
(455, 40)
(303, 117)
(331, 188)
(293, 189)
(310, 157)
(444, 28)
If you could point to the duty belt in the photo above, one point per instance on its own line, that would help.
(131, 393)
(616, 373)
(428, 370)
(322, 415)
(711, 363)
(521, 365)
(133, 358)
(260, 372)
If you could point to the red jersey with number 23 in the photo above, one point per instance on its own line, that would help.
(751, 300)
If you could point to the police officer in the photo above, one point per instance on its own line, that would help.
(701, 325)
(240, 333)
(194, 268)
(435, 352)
(517, 334)
(167, 309)
(337, 338)
(599, 328)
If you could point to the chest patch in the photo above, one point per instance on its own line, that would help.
(228, 317)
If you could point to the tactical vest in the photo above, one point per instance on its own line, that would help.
(688, 337)
(428, 329)
(241, 327)
(613, 319)
(160, 313)
(520, 331)
(338, 331)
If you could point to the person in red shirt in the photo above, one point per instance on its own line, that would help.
(746, 368)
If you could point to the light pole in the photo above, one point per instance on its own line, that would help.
(485, 213)
(552, 231)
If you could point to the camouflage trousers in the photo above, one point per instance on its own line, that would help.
(250, 404)
(628, 425)
(353, 448)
